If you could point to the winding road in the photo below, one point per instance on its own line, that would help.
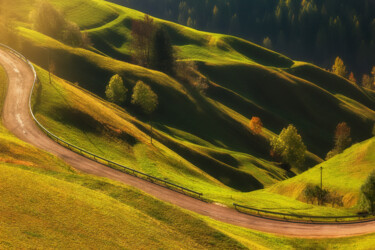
(17, 119)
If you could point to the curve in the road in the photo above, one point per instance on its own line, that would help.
(17, 118)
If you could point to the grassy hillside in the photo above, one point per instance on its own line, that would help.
(45, 203)
(201, 141)
(117, 135)
(344, 173)
(213, 150)
(266, 84)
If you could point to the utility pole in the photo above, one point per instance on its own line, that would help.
(321, 178)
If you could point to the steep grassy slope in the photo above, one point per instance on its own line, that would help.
(314, 107)
(46, 204)
(344, 173)
(117, 135)
(202, 141)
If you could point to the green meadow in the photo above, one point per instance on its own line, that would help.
(200, 141)
(213, 151)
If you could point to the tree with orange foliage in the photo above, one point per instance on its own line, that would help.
(342, 136)
(352, 78)
(256, 125)
(342, 139)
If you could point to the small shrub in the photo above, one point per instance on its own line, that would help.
(335, 199)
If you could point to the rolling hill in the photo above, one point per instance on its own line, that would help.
(201, 141)
(46, 203)
(212, 151)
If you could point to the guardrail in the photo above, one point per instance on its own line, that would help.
(300, 217)
(94, 157)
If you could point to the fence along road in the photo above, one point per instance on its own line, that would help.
(17, 118)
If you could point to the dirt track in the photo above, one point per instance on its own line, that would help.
(17, 119)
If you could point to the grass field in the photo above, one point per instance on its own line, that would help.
(63, 105)
(201, 141)
(45, 203)
(213, 151)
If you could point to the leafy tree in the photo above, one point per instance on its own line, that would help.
(146, 99)
(142, 35)
(368, 193)
(73, 36)
(366, 82)
(51, 22)
(256, 125)
(267, 43)
(116, 91)
(162, 52)
(290, 147)
(352, 78)
(342, 136)
(342, 139)
(48, 20)
(339, 67)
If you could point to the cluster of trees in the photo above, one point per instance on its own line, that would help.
(367, 81)
(316, 194)
(151, 46)
(143, 97)
(51, 22)
(289, 149)
(312, 30)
